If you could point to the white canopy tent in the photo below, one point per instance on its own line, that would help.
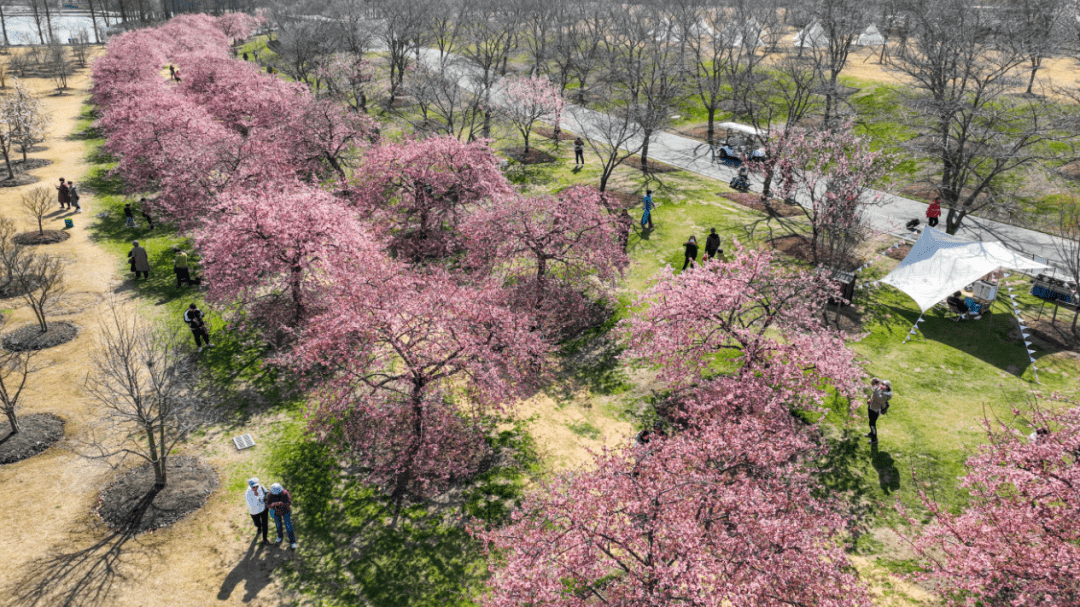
(870, 37)
(812, 36)
(940, 264)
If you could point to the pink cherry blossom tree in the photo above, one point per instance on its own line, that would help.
(422, 191)
(560, 253)
(270, 252)
(1018, 540)
(349, 80)
(327, 137)
(410, 366)
(747, 321)
(716, 516)
(237, 26)
(528, 100)
(829, 174)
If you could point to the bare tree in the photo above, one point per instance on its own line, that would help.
(1035, 30)
(38, 277)
(37, 202)
(962, 73)
(141, 379)
(1067, 246)
(577, 48)
(400, 30)
(489, 36)
(302, 46)
(26, 116)
(444, 106)
(613, 136)
(80, 46)
(15, 370)
(841, 22)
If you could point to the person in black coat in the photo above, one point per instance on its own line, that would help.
(691, 252)
(712, 244)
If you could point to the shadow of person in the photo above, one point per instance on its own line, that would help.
(888, 475)
(252, 570)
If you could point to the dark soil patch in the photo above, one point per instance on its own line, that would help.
(625, 200)
(21, 179)
(534, 156)
(926, 191)
(1070, 170)
(549, 133)
(30, 337)
(39, 432)
(35, 237)
(776, 208)
(21, 166)
(15, 289)
(1056, 335)
(798, 246)
(654, 166)
(131, 504)
(899, 253)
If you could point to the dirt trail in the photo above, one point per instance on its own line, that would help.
(53, 544)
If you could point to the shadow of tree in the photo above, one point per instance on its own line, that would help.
(82, 578)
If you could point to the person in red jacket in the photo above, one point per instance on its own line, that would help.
(280, 504)
(933, 212)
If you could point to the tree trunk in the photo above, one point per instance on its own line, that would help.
(526, 133)
(710, 134)
(93, 23)
(647, 134)
(7, 160)
(3, 25)
(37, 20)
(401, 483)
(1076, 314)
(604, 179)
(952, 221)
(298, 300)
(1034, 68)
(48, 19)
(14, 421)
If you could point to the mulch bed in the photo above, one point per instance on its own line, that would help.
(1070, 170)
(30, 337)
(15, 289)
(534, 156)
(625, 200)
(130, 504)
(899, 253)
(39, 432)
(798, 246)
(549, 133)
(35, 237)
(654, 166)
(21, 179)
(753, 201)
(21, 166)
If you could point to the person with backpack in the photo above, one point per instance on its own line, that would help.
(280, 504)
(129, 222)
(579, 152)
(74, 195)
(878, 404)
(193, 316)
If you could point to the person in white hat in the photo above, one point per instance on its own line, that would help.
(256, 503)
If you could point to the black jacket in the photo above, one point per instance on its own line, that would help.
(712, 244)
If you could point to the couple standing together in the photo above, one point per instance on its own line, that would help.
(276, 503)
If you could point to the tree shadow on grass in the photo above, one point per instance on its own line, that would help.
(81, 578)
(350, 554)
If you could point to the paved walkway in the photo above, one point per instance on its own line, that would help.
(888, 214)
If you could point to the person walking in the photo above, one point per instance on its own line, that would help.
(172, 72)
(63, 194)
(691, 253)
(280, 504)
(647, 205)
(73, 194)
(579, 152)
(140, 261)
(712, 244)
(256, 503)
(878, 404)
(193, 316)
(130, 215)
(146, 216)
(180, 267)
(933, 212)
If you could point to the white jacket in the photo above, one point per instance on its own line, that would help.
(256, 499)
